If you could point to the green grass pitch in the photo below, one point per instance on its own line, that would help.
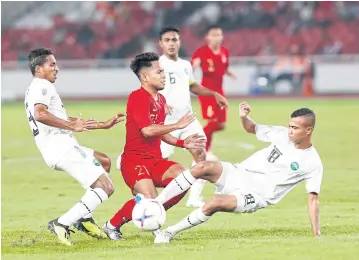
(33, 194)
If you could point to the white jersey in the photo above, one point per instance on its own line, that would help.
(179, 77)
(274, 171)
(52, 142)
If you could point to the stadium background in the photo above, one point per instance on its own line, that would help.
(286, 53)
(275, 47)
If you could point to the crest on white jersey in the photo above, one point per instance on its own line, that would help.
(44, 91)
(294, 166)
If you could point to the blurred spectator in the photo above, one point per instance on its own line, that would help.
(119, 29)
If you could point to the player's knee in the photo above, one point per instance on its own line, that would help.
(200, 169)
(110, 189)
(105, 183)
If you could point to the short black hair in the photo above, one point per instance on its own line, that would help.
(213, 26)
(169, 29)
(37, 57)
(143, 60)
(305, 112)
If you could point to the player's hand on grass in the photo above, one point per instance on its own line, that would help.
(244, 109)
(195, 141)
(221, 100)
(186, 120)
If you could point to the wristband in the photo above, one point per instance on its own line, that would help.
(180, 143)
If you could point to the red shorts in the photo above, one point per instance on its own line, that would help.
(211, 110)
(133, 171)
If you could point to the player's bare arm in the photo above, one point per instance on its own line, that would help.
(231, 74)
(313, 210)
(248, 124)
(156, 130)
(71, 119)
(43, 116)
(199, 90)
(195, 141)
(94, 124)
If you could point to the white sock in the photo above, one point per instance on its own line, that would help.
(87, 204)
(88, 215)
(195, 218)
(176, 187)
(110, 226)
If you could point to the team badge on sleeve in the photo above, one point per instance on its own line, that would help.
(294, 166)
(44, 92)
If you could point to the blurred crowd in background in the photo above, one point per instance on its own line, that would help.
(112, 30)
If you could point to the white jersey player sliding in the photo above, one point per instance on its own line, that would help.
(261, 180)
(180, 83)
(53, 133)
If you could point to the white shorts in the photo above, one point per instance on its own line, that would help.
(81, 164)
(194, 128)
(232, 182)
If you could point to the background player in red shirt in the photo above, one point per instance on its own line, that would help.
(213, 59)
(142, 166)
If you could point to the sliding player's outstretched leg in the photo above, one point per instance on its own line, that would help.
(223, 203)
(206, 170)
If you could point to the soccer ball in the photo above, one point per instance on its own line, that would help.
(148, 215)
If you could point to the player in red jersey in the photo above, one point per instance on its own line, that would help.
(142, 166)
(213, 59)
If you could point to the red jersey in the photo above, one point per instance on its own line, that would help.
(213, 66)
(142, 111)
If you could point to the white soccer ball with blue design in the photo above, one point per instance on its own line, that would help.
(148, 214)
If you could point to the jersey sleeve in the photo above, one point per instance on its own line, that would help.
(197, 54)
(191, 76)
(266, 133)
(315, 180)
(139, 108)
(42, 93)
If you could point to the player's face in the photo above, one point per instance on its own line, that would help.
(215, 37)
(155, 76)
(49, 70)
(170, 44)
(299, 129)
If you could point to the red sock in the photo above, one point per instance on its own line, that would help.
(173, 201)
(124, 215)
(209, 129)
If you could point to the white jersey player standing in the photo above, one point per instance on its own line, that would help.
(53, 133)
(261, 180)
(180, 83)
